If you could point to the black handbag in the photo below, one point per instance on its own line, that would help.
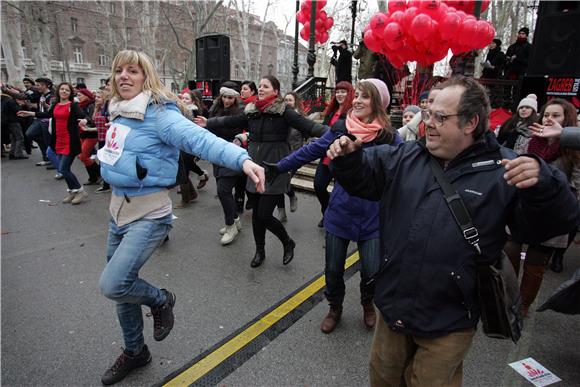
(497, 284)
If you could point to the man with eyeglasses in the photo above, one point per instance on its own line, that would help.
(426, 287)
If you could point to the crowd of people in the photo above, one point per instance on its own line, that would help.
(418, 275)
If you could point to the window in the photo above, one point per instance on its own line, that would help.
(270, 68)
(80, 80)
(74, 24)
(128, 33)
(78, 54)
(237, 71)
(25, 52)
(103, 82)
(103, 60)
(112, 7)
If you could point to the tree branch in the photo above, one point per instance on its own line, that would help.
(175, 32)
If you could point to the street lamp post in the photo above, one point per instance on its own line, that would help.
(353, 11)
(295, 65)
(311, 59)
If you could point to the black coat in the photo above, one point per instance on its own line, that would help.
(518, 66)
(76, 114)
(497, 59)
(427, 282)
(268, 136)
(343, 65)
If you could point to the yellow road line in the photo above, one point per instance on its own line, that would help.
(205, 365)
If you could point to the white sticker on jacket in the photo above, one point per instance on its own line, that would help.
(114, 144)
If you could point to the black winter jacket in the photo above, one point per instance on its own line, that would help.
(427, 282)
(268, 136)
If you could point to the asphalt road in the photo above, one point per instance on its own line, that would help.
(57, 330)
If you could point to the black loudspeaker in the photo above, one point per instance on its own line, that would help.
(556, 47)
(213, 57)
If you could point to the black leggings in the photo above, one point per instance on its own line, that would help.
(322, 179)
(225, 187)
(262, 218)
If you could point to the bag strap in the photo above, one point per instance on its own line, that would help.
(456, 205)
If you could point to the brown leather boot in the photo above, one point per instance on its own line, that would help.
(530, 286)
(332, 318)
(369, 315)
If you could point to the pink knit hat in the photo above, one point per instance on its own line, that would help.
(382, 89)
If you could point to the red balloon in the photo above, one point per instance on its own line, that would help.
(378, 21)
(306, 4)
(467, 32)
(450, 25)
(305, 34)
(329, 23)
(397, 17)
(393, 35)
(324, 37)
(408, 17)
(371, 41)
(398, 5)
(422, 26)
(320, 4)
(301, 17)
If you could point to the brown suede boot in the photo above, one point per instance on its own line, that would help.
(369, 315)
(530, 286)
(332, 318)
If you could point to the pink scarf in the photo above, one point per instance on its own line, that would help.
(363, 131)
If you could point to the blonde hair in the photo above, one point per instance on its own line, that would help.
(152, 83)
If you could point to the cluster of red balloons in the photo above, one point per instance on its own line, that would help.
(323, 21)
(425, 30)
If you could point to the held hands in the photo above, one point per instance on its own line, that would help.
(82, 123)
(201, 121)
(553, 130)
(523, 172)
(256, 173)
(271, 170)
(343, 146)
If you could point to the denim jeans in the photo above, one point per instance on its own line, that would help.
(336, 249)
(64, 167)
(128, 249)
(53, 158)
(38, 131)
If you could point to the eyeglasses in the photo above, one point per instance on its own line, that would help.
(437, 117)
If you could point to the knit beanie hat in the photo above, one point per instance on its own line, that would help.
(382, 89)
(412, 108)
(531, 100)
(525, 30)
(497, 42)
(424, 95)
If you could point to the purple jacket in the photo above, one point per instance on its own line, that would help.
(348, 217)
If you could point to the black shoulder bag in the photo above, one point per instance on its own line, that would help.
(497, 284)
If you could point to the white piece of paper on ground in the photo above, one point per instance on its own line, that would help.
(534, 372)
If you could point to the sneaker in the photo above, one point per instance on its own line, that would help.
(68, 198)
(80, 197)
(203, 179)
(124, 365)
(293, 203)
(163, 317)
(230, 234)
(58, 176)
(238, 224)
(103, 190)
(42, 163)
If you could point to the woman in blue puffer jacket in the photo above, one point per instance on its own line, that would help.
(349, 218)
(139, 161)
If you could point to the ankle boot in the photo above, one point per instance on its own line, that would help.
(369, 315)
(531, 282)
(557, 264)
(94, 171)
(289, 246)
(259, 257)
(332, 318)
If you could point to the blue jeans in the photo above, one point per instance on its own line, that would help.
(38, 131)
(336, 249)
(53, 158)
(64, 167)
(128, 249)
